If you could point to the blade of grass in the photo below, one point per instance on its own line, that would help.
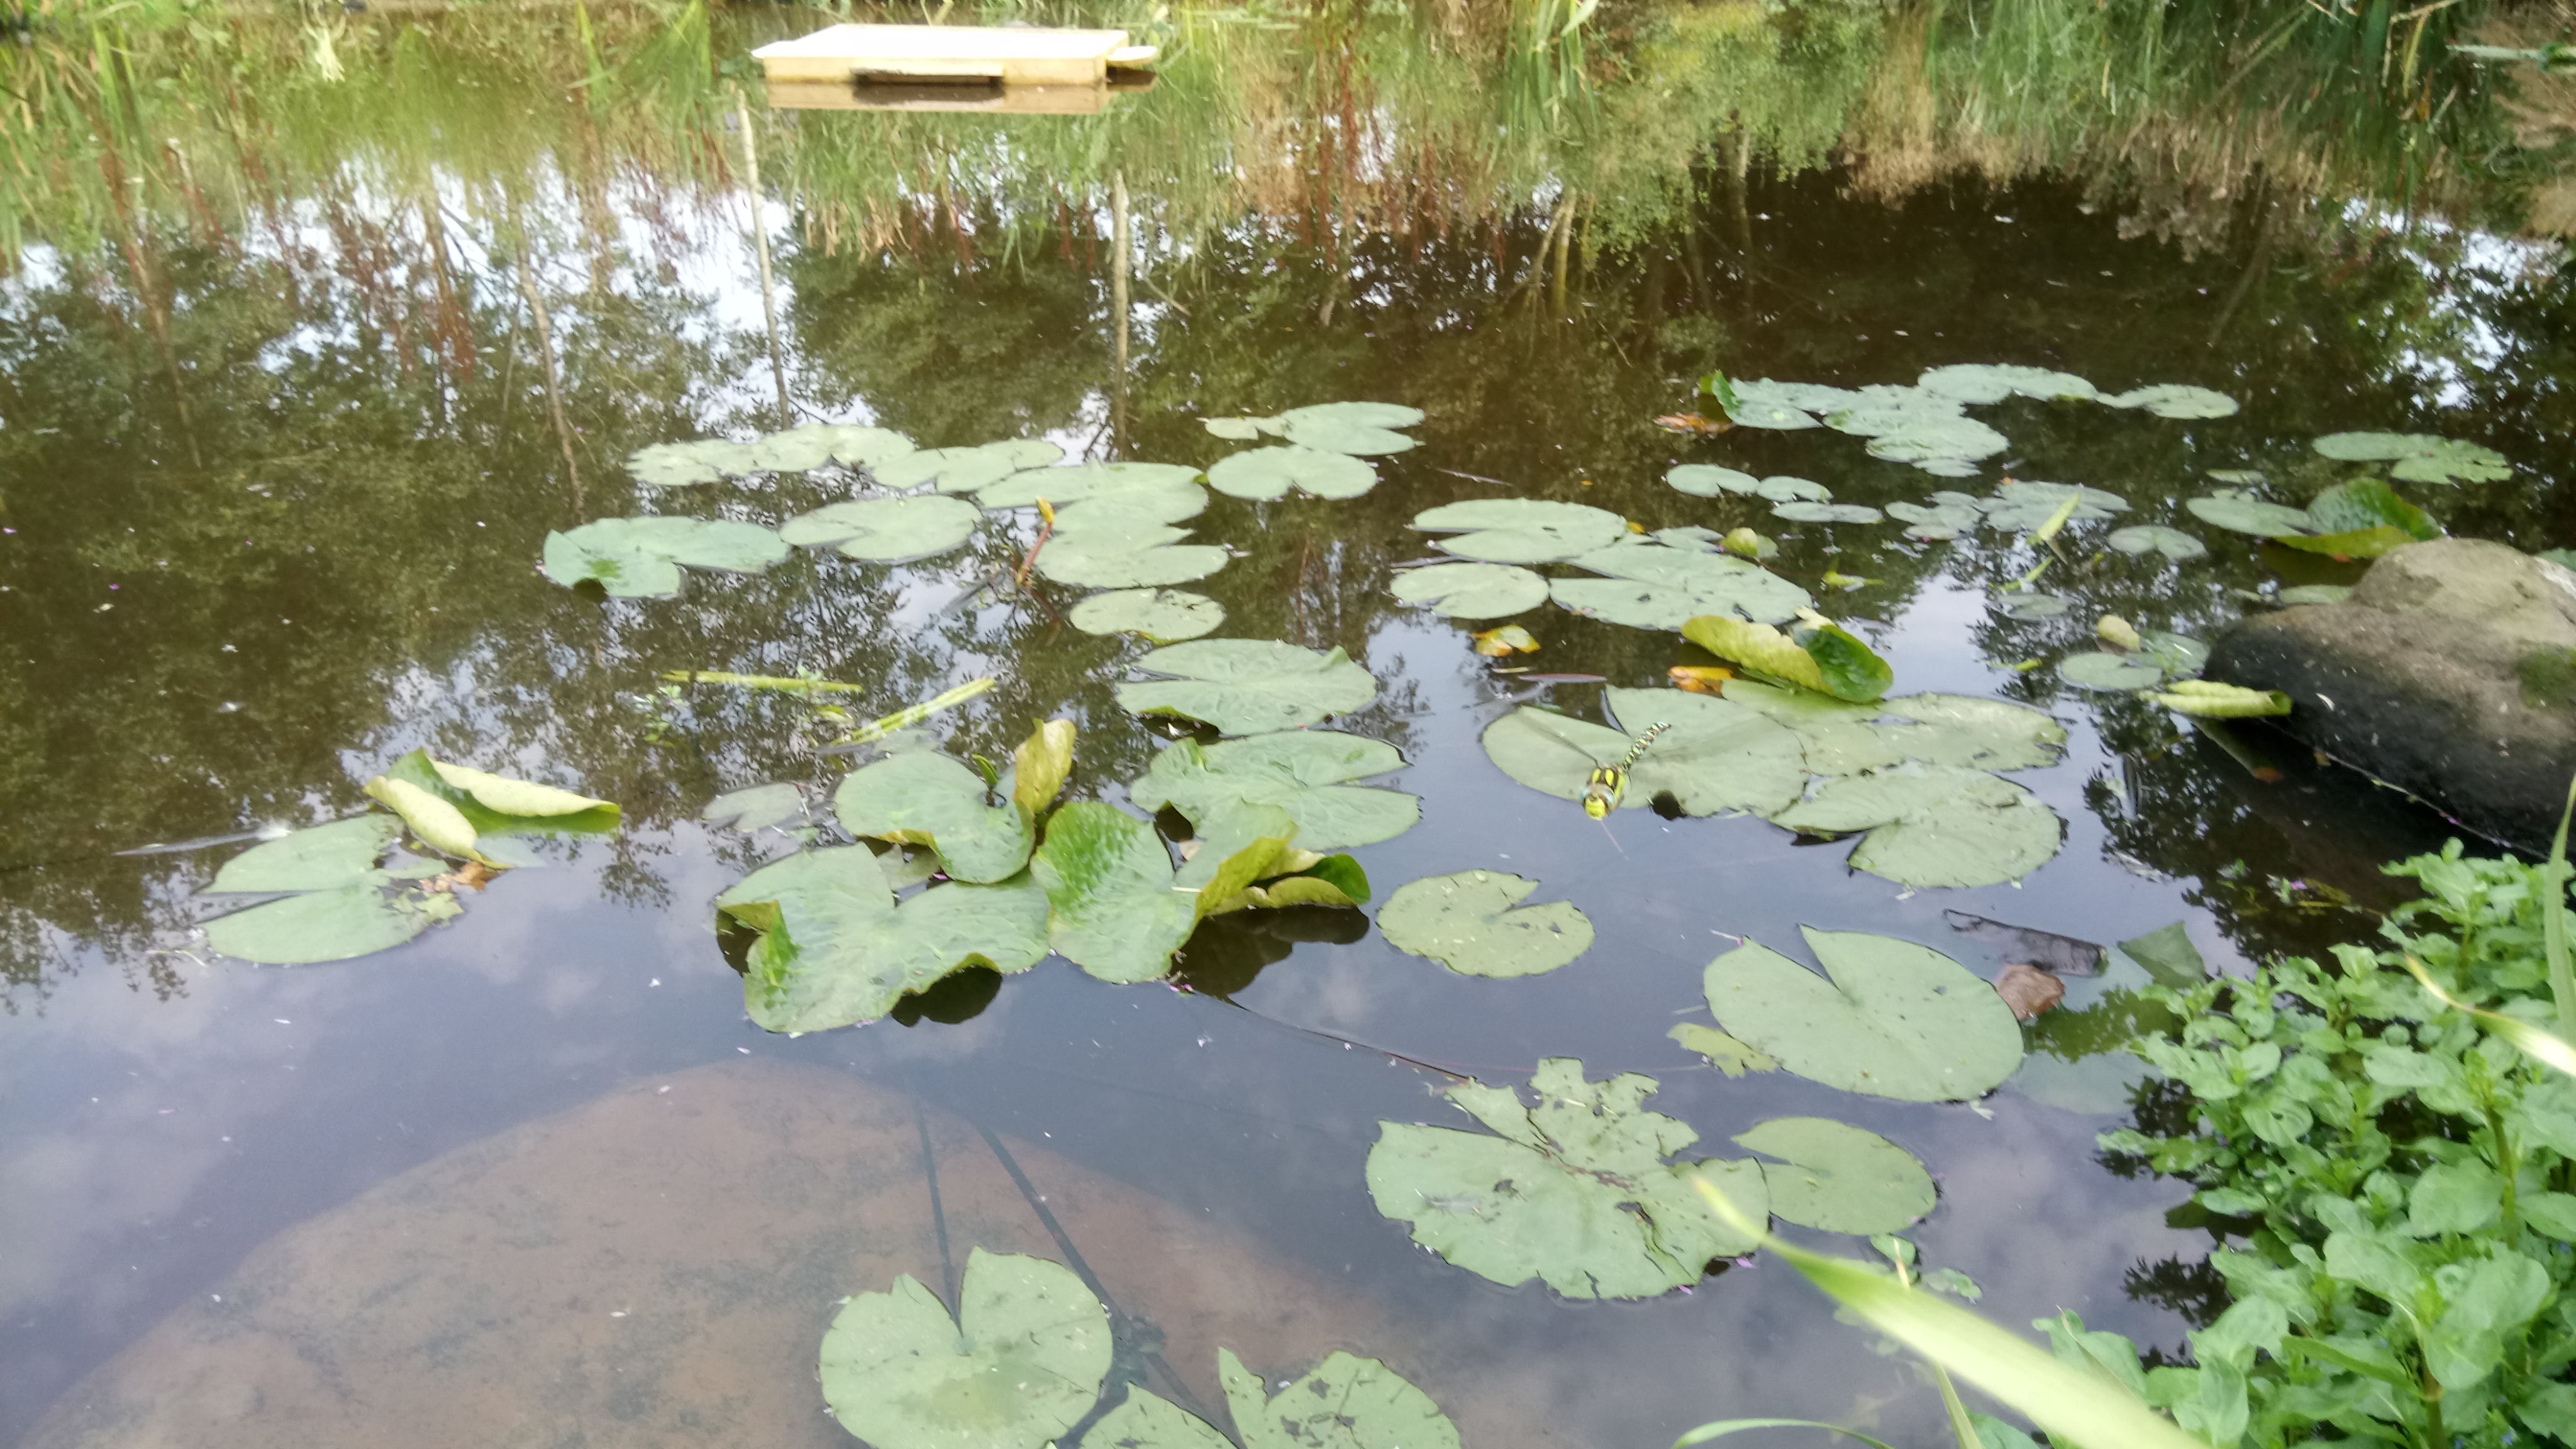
(2553, 923)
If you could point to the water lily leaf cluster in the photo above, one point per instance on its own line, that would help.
(2419, 457)
(1248, 686)
(1926, 423)
(1888, 1018)
(641, 558)
(1576, 1191)
(1028, 1356)
(1473, 922)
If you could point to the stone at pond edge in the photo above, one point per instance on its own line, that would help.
(2425, 678)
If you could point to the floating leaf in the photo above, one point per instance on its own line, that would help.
(2175, 400)
(1165, 616)
(676, 465)
(1021, 1363)
(921, 798)
(755, 807)
(799, 449)
(1718, 755)
(2022, 507)
(886, 530)
(1244, 430)
(1247, 860)
(1933, 825)
(1838, 1178)
(1472, 590)
(834, 948)
(1823, 658)
(2099, 670)
(1348, 1402)
(432, 820)
(2363, 519)
(1506, 641)
(2169, 957)
(1338, 433)
(2419, 457)
(503, 795)
(1574, 1192)
(640, 558)
(1948, 515)
(2028, 990)
(1888, 1018)
(2174, 653)
(1266, 473)
(1144, 555)
(1706, 480)
(1783, 488)
(2241, 512)
(318, 858)
(317, 926)
(1700, 678)
(1784, 406)
(1116, 907)
(1724, 1052)
(1977, 382)
(1887, 408)
(1356, 414)
(2146, 538)
(1086, 481)
(1041, 764)
(1304, 772)
(2119, 633)
(1942, 445)
(1826, 513)
(1145, 1419)
(1522, 530)
(2029, 608)
(1653, 586)
(2209, 699)
(964, 470)
(1249, 686)
(1467, 923)
(1745, 543)
(1935, 729)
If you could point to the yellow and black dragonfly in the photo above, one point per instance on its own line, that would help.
(1608, 784)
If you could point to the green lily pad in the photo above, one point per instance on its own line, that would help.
(1347, 1402)
(1723, 1052)
(1947, 446)
(1888, 1018)
(1356, 414)
(1304, 772)
(1083, 482)
(2029, 608)
(1574, 1191)
(964, 470)
(2241, 512)
(1467, 923)
(1977, 382)
(1783, 406)
(1820, 656)
(1803, 512)
(2102, 670)
(1948, 515)
(677, 465)
(1244, 430)
(1838, 1178)
(1785, 488)
(886, 530)
(2173, 653)
(1718, 755)
(1522, 530)
(2020, 507)
(1472, 590)
(2363, 519)
(2146, 538)
(1246, 859)
(1338, 434)
(1655, 586)
(1165, 616)
(799, 449)
(2419, 457)
(756, 807)
(1021, 1363)
(468, 793)
(1935, 729)
(1707, 480)
(1118, 910)
(1137, 556)
(1888, 408)
(641, 558)
(920, 798)
(1266, 473)
(318, 858)
(2175, 400)
(1933, 825)
(1147, 1420)
(1249, 686)
(505, 796)
(323, 925)
(834, 949)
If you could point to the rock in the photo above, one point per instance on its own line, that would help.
(2450, 673)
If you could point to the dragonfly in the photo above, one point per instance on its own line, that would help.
(1609, 783)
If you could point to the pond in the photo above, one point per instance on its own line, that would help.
(321, 329)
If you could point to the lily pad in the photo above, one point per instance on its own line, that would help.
(1267, 473)
(1356, 414)
(756, 807)
(1304, 772)
(1165, 616)
(964, 470)
(1783, 406)
(1888, 1018)
(1021, 1363)
(2023, 506)
(1324, 432)
(641, 558)
(2100, 669)
(506, 796)
(316, 926)
(1975, 382)
(1118, 910)
(2241, 512)
(1948, 515)
(1472, 590)
(1718, 755)
(2175, 400)
(1838, 1178)
(1522, 530)
(1347, 1402)
(2029, 608)
(1146, 1420)
(834, 949)
(2146, 538)
(1804, 512)
(1467, 923)
(1933, 825)
(1654, 586)
(1142, 556)
(1707, 480)
(2363, 519)
(2419, 457)
(1888, 408)
(921, 798)
(886, 530)
(1060, 486)
(1823, 657)
(810, 446)
(1244, 430)
(1249, 686)
(677, 465)
(1574, 1191)
(1947, 446)
(1723, 1052)
(2173, 653)
(1785, 488)
(1935, 729)
(318, 858)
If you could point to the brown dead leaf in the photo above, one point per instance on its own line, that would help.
(472, 875)
(1700, 678)
(1693, 423)
(2028, 990)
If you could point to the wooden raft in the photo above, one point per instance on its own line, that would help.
(1007, 55)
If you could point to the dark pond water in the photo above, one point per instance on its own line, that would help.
(276, 480)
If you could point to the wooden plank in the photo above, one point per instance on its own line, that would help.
(1014, 100)
(1013, 55)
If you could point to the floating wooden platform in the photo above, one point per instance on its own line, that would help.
(1006, 55)
(948, 96)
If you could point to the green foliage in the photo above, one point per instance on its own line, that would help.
(2407, 1181)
